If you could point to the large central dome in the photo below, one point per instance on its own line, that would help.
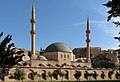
(58, 46)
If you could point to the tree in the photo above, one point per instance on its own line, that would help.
(19, 74)
(102, 75)
(87, 74)
(9, 56)
(106, 64)
(77, 75)
(95, 75)
(50, 75)
(101, 61)
(32, 74)
(117, 75)
(114, 11)
(55, 74)
(110, 73)
(66, 75)
(44, 75)
(61, 74)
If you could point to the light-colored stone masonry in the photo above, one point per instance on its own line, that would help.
(68, 70)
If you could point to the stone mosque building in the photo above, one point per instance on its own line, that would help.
(59, 53)
(61, 62)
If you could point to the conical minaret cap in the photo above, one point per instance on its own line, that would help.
(33, 20)
(88, 23)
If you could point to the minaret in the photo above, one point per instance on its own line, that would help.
(88, 40)
(33, 22)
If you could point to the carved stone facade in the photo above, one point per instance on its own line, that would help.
(42, 74)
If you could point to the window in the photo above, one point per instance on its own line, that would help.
(61, 56)
(64, 56)
(68, 56)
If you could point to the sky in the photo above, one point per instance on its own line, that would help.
(58, 21)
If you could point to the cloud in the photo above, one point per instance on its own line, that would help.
(107, 27)
(91, 22)
(79, 24)
(112, 46)
(116, 19)
(101, 11)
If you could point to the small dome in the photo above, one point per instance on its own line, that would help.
(58, 46)
(80, 60)
(41, 58)
(25, 57)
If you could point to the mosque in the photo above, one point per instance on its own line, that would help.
(58, 53)
(58, 62)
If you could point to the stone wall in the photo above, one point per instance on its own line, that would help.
(68, 74)
(35, 63)
(81, 52)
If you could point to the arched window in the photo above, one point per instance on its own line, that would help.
(68, 56)
(65, 56)
(61, 56)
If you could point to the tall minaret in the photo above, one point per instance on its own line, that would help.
(88, 40)
(33, 22)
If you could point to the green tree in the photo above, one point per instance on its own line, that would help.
(102, 75)
(66, 75)
(117, 75)
(95, 75)
(32, 74)
(55, 74)
(101, 61)
(19, 74)
(77, 75)
(61, 74)
(9, 56)
(44, 75)
(87, 74)
(50, 75)
(106, 64)
(114, 11)
(110, 73)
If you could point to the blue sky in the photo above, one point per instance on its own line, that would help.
(57, 21)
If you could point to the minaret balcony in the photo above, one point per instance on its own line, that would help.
(32, 32)
(33, 21)
(88, 31)
(88, 40)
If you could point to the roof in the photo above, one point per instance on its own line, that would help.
(41, 58)
(58, 46)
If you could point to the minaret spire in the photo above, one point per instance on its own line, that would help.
(88, 40)
(33, 31)
(33, 12)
